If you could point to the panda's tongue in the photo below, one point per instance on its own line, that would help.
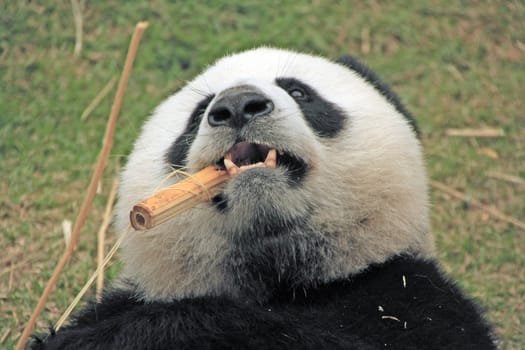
(245, 155)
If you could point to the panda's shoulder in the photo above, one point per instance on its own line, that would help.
(121, 320)
(404, 298)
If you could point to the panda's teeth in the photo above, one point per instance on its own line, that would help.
(271, 159)
(231, 168)
(234, 170)
(251, 166)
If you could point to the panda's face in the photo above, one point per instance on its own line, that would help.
(326, 178)
(269, 134)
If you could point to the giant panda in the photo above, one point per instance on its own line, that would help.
(319, 240)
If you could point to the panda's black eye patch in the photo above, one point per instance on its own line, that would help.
(201, 108)
(323, 116)
(178, 151)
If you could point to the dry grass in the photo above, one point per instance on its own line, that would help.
(456, 66)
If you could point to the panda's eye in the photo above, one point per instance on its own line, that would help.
(297, 93)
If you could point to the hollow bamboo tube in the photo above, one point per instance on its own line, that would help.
(165, 204)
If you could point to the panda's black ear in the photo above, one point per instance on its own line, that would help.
(352, 63)
(355, 65)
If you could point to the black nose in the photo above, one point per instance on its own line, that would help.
(236, 107)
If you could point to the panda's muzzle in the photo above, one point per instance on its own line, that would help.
(234, 108)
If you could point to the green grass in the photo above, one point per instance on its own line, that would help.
(455, 64)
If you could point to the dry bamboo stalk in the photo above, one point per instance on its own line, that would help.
(486, 132)
(66, 230)
(183, 195)
(86, 205)
(77, 16)
(506, 177)
(5, 335)
(96, 101)
(101, 236)
(475, 203)
(90, 281)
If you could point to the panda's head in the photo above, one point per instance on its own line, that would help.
(348, 188)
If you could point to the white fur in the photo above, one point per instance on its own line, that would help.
(365, 195)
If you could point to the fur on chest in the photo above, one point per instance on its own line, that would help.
(402, 304)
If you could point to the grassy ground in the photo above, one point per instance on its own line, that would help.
(455, 64)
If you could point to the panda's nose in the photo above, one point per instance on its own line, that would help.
(237, 106)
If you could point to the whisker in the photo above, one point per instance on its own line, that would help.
(198, 91)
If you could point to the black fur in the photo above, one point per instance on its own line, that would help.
(297, 168)
(323, 116)
(405, 303)
(220, 202)
(385, 90)
(178, 152)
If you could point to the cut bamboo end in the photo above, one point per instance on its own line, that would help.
(165, 204)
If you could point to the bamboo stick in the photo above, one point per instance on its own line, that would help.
(77, 16)
(86, 205)
(101, 237)
(475, 203)
(100, 96)
(485, 132)
(183, 195)
(90, 281)
(506, 177)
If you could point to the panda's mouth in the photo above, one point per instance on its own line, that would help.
(244, 156)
